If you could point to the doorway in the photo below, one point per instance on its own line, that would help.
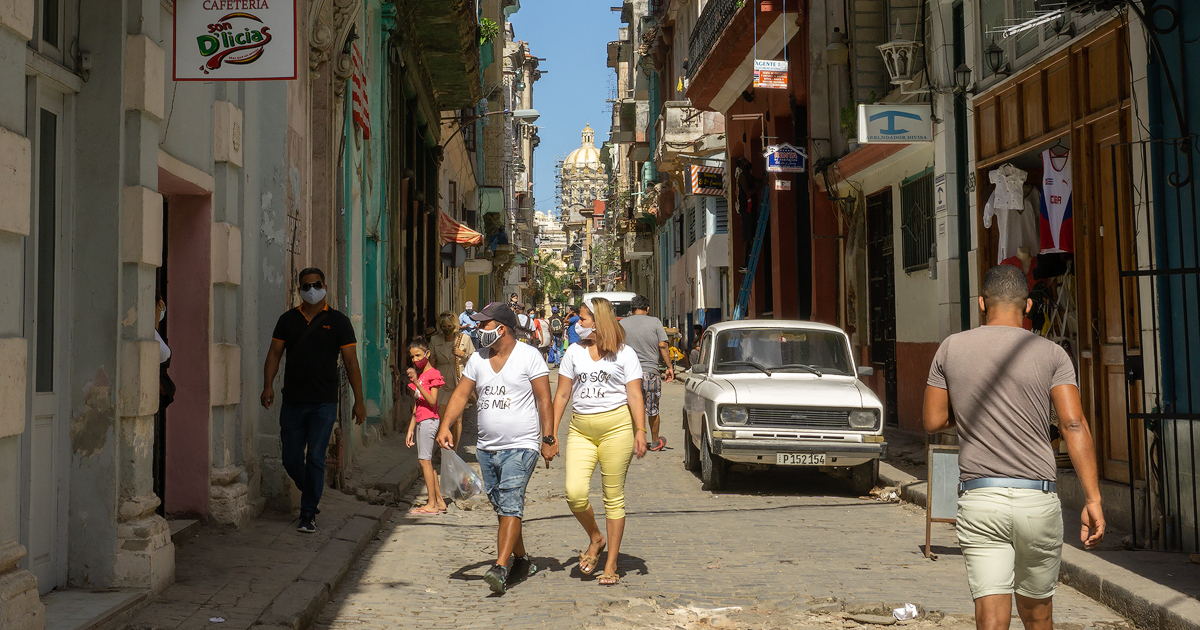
(45, 443)
(881, 296)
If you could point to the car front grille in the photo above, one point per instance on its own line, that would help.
(799, 417)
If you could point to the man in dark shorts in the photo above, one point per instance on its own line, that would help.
(313, 335)
(513, 385)
(1001, 381)
(648, 338)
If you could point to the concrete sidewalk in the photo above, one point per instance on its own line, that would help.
(1153, 589)
(267, 574)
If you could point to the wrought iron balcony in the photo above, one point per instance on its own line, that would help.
(713, 20)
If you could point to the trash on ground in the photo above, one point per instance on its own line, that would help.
(904, 614)
(217, 619)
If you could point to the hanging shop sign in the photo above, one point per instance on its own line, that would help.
(770, 73)
(235, 40)
(886, 123)
(707, 180)
(785, 158)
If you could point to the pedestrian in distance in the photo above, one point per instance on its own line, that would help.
(468, 325)
(648, 338)
(1002, 382)
(313, 336)
(601, 378)
(544, 338)
(513, 386)
(572, 319)
(449, 351)
(425, 381)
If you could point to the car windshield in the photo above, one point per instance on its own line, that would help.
(764, 350)
(622, 309)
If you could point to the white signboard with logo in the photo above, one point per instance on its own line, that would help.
(235, 40)
(885, 123)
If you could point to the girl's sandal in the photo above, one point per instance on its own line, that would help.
(608, 579)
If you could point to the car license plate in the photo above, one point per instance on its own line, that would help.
(800, 459)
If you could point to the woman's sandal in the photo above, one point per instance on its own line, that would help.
(608, 579)
(592, 561)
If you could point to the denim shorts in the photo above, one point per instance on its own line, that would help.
(506, 473)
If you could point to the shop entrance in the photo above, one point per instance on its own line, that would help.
(881, 270)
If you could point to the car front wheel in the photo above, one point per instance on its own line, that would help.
(864, 477)
(713, 469)
(691, 454)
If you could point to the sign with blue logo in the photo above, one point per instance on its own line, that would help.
(886, 123)
(785, 158)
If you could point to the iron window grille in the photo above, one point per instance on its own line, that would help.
(691, 223)
(917, 222)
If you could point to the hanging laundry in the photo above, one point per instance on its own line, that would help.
(1009, 181)
(1056, 226)
(1018, 227)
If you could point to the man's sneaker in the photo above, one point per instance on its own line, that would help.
(308, 524)
(496, 578)
(522, 568)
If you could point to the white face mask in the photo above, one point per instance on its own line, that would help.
(489, 337)
(313, 296)
(163, 314)
(583, 333)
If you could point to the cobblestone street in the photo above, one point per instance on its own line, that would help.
(776, 550)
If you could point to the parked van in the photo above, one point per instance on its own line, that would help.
(622, 301)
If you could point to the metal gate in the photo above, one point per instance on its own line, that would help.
(1160, 297)
(881, 272)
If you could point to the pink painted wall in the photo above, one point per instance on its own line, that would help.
(189, 309)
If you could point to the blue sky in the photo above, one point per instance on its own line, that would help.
(572, 36)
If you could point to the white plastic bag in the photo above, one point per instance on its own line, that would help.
(458, 480)
(904, 614)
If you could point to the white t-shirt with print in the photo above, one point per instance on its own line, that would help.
(508, 415)
(599, 386)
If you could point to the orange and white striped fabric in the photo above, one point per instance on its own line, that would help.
(452, 231)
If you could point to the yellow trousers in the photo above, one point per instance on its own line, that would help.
(607, 438)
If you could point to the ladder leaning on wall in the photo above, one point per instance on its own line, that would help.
(764, 216)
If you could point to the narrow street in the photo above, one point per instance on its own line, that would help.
(774, 551)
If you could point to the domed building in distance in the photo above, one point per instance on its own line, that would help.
(584, 179)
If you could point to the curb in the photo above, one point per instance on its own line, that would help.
(297, 606)
(1145, 602)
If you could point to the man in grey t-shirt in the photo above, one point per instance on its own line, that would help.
(1001, 381)
(645, 334)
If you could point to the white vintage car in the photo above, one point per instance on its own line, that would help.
(780, 393)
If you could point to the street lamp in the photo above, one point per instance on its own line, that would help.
(962, 78)
(837, 53)
(525, 115)
(994, 56)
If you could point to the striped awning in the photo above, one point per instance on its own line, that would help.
(452, 231)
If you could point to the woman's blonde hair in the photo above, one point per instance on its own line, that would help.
(447, 320)
(609, 336)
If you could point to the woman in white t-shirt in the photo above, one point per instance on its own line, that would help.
(602, 378)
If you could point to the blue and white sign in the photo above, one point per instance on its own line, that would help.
(886, 123)
(785, 158)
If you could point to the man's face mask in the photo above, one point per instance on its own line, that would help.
(489, 337)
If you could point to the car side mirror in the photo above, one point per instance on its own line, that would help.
(866, 370)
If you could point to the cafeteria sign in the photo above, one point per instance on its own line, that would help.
(769, 73)
(235, 40)
(785, 158)
(707, 180)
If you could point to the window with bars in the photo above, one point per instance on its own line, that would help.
(917, 222)
(691, 223)
(702, 218)
(721, 216)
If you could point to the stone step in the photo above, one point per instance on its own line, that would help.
(183, 529)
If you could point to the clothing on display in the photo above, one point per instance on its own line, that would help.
(1018, 226)
(1056, 224)
(1010, 192)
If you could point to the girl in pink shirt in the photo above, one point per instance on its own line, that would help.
(424, 424)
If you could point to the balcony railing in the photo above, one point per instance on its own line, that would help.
(713, 20)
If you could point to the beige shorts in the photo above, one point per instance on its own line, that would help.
(1012, 541)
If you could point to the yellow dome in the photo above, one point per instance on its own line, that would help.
(586, 156)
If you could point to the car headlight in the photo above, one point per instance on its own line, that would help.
(862, 419)
(734, 414)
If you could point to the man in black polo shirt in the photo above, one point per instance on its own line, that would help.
(313, 336)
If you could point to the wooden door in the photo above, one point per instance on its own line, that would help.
(1107, 190)
(881, 273)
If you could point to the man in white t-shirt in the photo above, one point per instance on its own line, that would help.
(513, 387)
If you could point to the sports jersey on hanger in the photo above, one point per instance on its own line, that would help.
(1056, 227)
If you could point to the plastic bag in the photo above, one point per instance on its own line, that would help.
(458, 481)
